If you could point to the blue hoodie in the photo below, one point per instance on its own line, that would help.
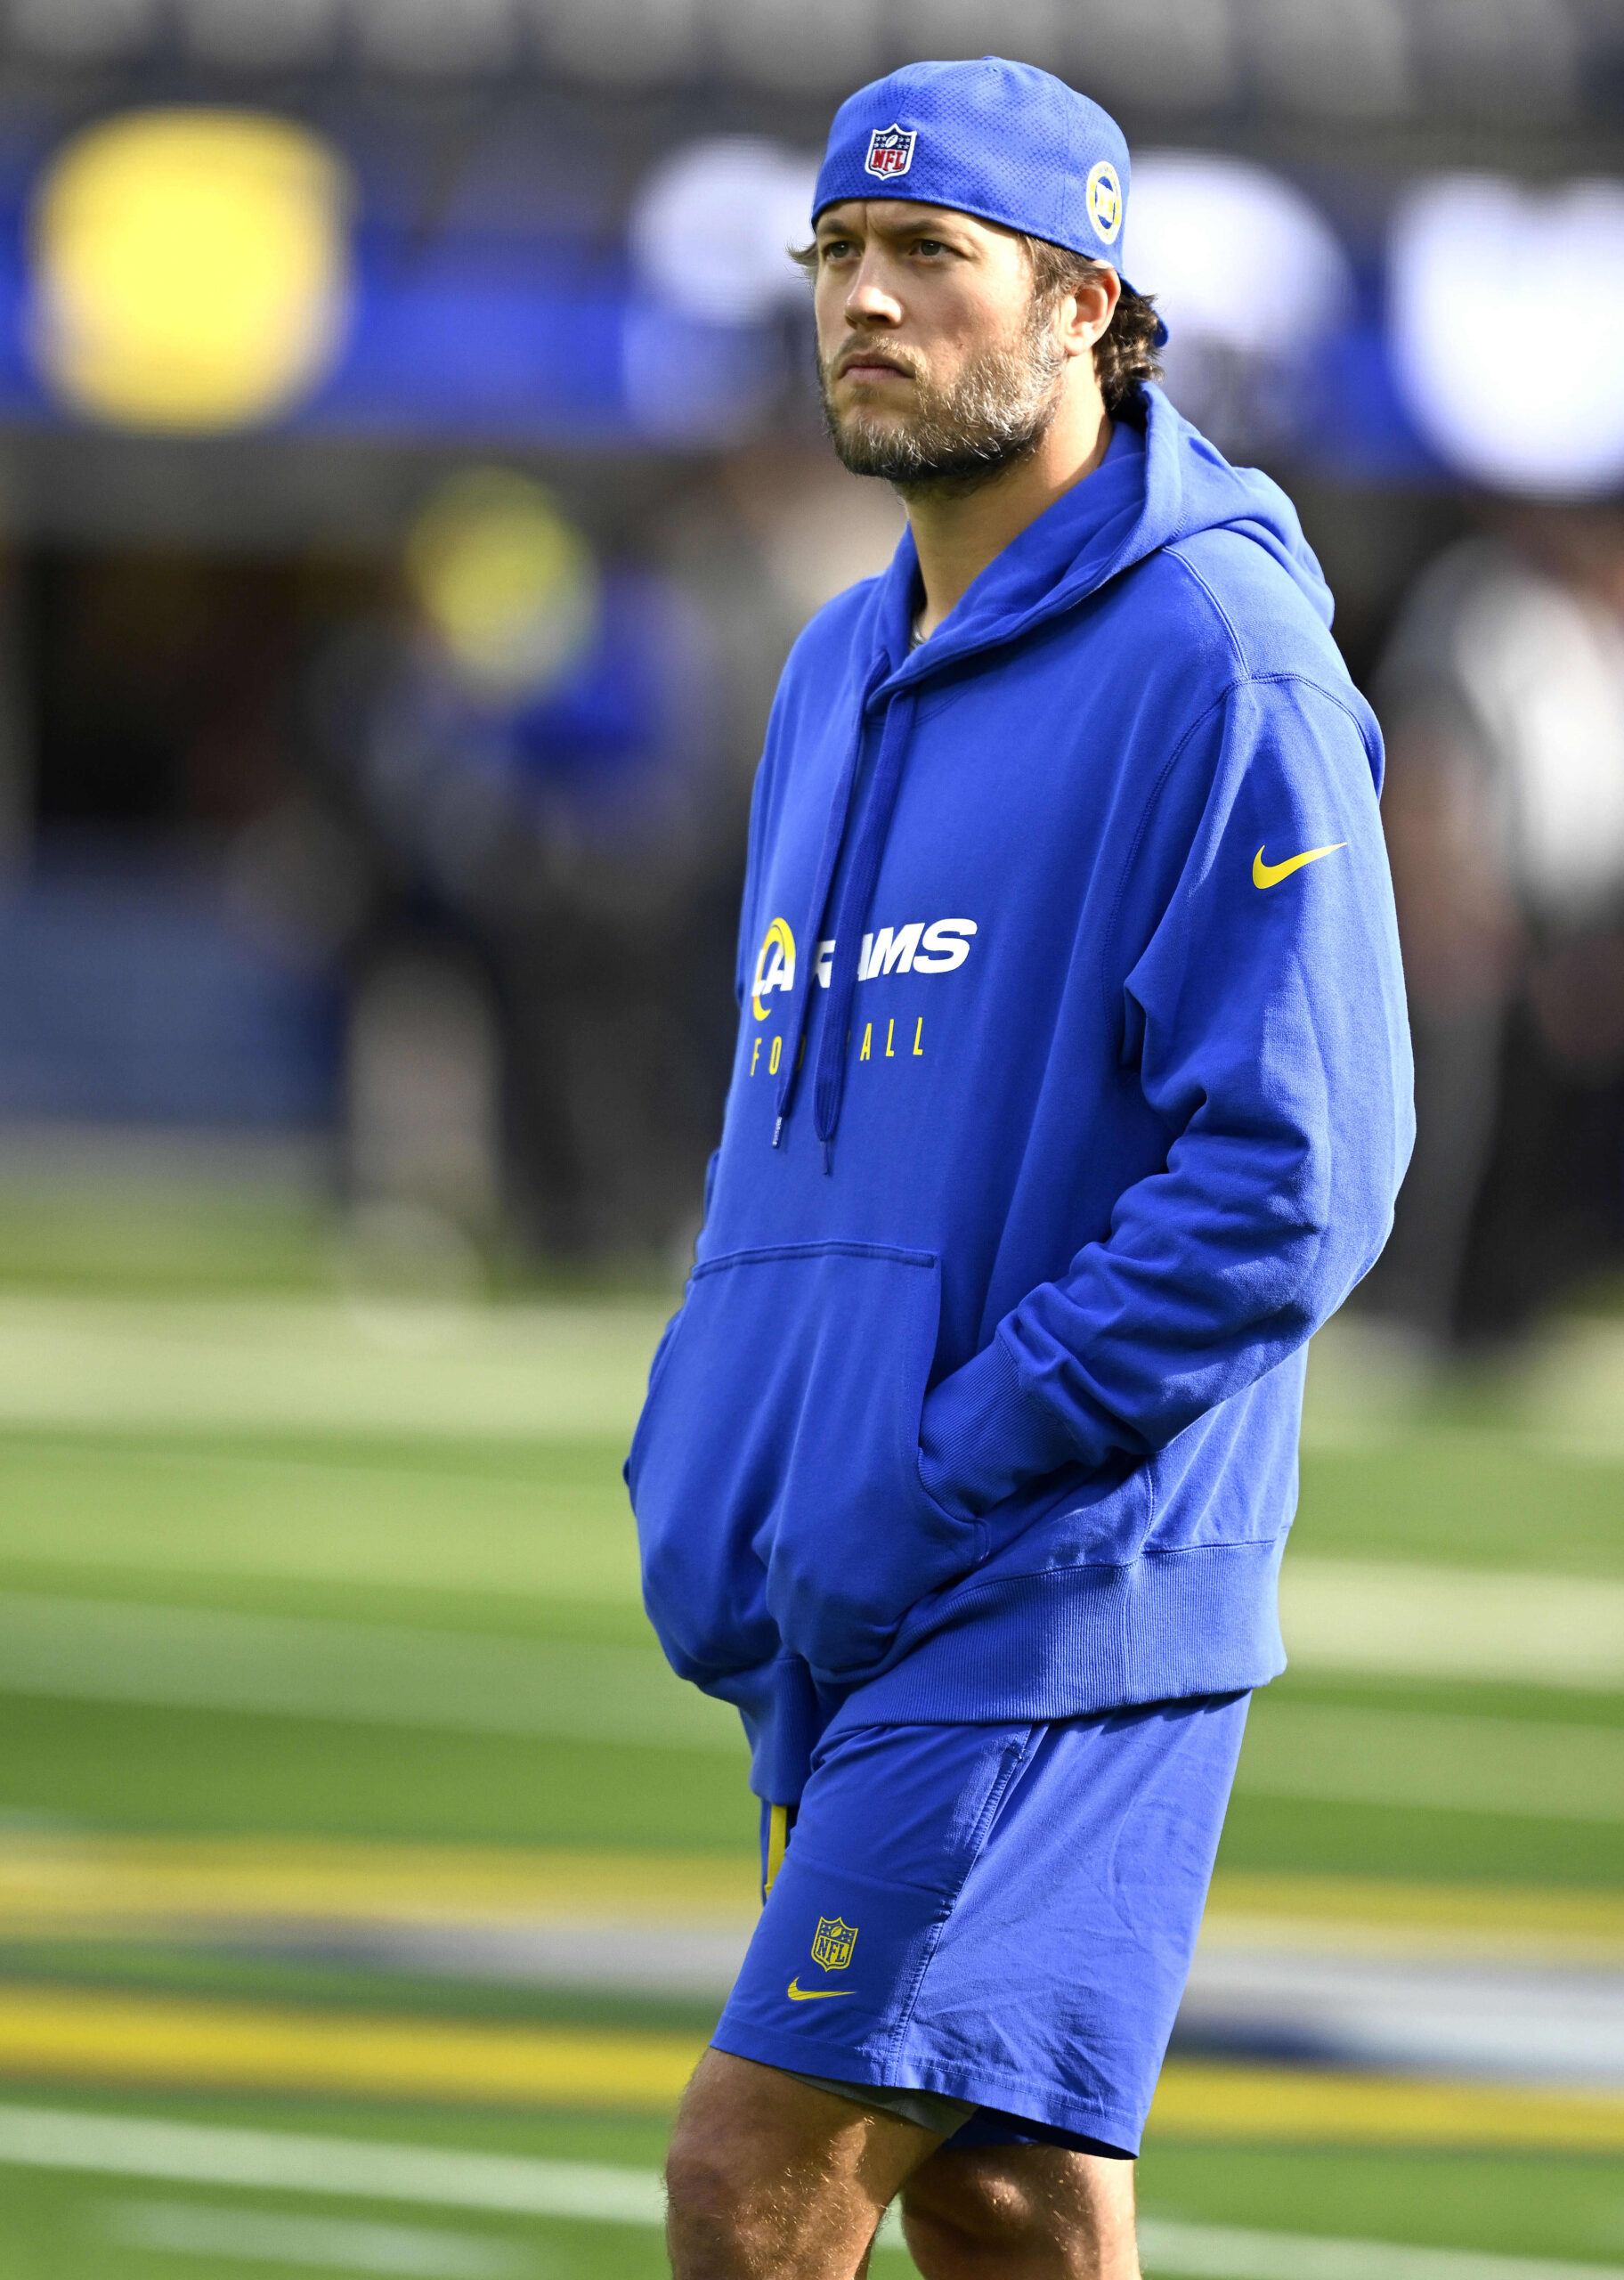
(1072, 1093)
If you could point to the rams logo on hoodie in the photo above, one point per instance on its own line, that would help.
(941, 947)
(775, 965)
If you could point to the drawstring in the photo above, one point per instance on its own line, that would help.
(857, 893)
(780, 1819)
(805, 971)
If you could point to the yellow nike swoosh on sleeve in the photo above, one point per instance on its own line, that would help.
(797, 1993)
(1269, 875)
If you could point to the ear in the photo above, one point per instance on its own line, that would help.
(1087, 314)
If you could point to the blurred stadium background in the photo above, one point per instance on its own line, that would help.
(410, 484)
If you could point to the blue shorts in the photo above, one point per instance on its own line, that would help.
(1003, 1914)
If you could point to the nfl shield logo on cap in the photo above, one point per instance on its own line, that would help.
(1002, 141)
(890, 150)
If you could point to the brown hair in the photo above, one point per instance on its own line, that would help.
(1125, 353)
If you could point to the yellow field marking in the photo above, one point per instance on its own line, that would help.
(1295, 2106)
(66, 1885)
(73, 1881)
(154, 2041)
(60, 1886)
(1369, 1911)
(79, 2036)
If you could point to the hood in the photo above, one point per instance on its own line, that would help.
(1157, 484)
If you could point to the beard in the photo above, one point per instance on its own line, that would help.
(958, 436)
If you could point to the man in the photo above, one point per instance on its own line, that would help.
(1071, 1094)
(1503, 693)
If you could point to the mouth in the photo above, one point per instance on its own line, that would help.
(870, 364)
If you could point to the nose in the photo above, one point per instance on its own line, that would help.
(869, 302)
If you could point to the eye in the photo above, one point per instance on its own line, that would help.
(930, 246)
(835, 249)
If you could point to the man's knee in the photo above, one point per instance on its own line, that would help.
(717, 2183)
(1033, 2210)
(710, 2194)
(741, 2196)
(769, 2174)
(956, 2211)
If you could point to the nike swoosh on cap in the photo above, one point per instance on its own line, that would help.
(797, 1993)
(1269, 875)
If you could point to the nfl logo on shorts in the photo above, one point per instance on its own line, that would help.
(833, 1942)
(890, 150)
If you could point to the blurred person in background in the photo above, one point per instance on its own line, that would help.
(533, 746)
(776, 532)
(966, 1466)
(1502, 695)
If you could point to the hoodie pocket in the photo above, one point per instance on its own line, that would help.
(775, 1473)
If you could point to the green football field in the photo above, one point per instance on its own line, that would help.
(319, 1644)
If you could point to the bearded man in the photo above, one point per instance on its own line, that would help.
(1072, 1092)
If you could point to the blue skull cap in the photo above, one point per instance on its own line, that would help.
(1005, 141)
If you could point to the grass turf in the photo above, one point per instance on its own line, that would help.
(61, 2227)
(532, 1539)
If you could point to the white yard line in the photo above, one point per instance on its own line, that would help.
(106, 2145)
(513, 2185)
(1504, 1627)
(114, 1650)
(111, 1651)
(536, 1372)
(1229, 2253)
(1448, 1762)
(1437, 2015)
(569, 1368)
(326, 2243)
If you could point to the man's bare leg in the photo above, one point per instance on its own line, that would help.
(771, 2180)
(1022, 2212)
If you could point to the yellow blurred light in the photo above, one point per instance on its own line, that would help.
(191, 268)
(508, 585)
